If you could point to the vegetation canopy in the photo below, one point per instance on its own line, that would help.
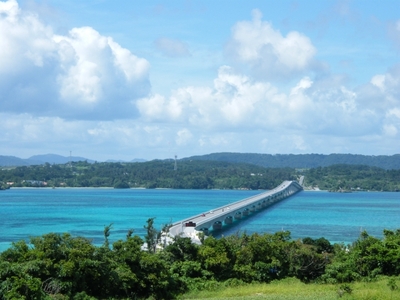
(202, 174)
(60, 266)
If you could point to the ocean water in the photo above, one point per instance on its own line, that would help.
(339, 217)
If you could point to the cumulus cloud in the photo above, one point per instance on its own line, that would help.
(98, 73)
(77, 89)
(82, 75)
(232, 100)
(172, 47)
(383, 94)
(237, 102)
(267, 51)
(388, 83)
(24, 135)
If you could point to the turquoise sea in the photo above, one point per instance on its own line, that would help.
(339, 217)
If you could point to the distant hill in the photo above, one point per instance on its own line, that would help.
(57, 159)
(124, 161)
(115, 161)
(303, 160)
(264, 160)
(138, 160)
(13, 161)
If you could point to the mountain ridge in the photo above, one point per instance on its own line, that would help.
(298, 161)
(305, 161)
(41, 159)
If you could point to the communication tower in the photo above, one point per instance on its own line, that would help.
(176, 164)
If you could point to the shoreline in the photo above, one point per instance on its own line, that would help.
(143, 188)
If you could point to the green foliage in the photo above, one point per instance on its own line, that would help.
(292, 288)
(151, 236)
(182, 249)
(153, 174)
(392, 284)
(304, 161)
(353, 178)
(107, 232)
(344, 289)
(4, 186)
(207, 174)
(322, 244)
(59, 266)
(368, 258)
(121, 185)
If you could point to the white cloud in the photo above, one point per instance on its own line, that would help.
(98, 70)
(379, 81)
(304, 84)
(267, 51)
(233, 99)
(383, 97)
(152, 107)
(388, 83)
(81, 89)
(391, 126)
(183, 137)
(172, 47)
(25, 135)
(238, 103)
(23, 40)
(83, 75)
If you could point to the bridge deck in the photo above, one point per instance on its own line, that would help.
(189, 227)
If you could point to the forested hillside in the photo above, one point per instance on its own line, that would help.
(353, 178)
(304, 160)
(202, 174)
(264, 160)
(154, 174)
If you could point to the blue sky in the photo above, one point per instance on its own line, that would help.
(154, 79)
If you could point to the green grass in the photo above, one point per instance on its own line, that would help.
(292, 288)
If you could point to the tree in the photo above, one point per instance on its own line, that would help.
(107, 232)
(151, 236)
(121, 185)
(182, 249)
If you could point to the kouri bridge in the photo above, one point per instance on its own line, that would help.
(219, 217)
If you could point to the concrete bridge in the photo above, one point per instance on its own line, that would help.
(225, 215)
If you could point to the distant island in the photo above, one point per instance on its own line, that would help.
(298, 161)
(307, 161)
(13, 161)
(199, 174)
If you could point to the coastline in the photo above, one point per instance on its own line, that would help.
(57, 188)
